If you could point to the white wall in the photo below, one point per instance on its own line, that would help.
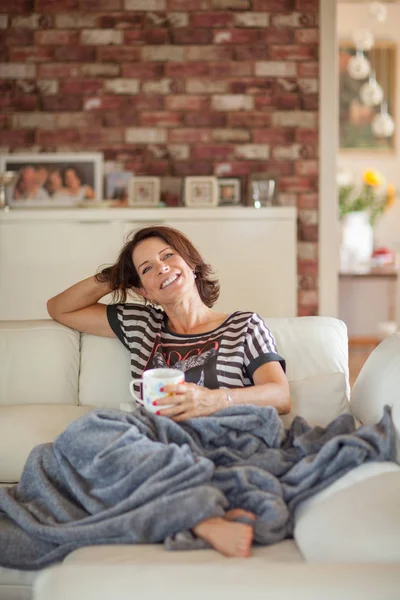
(329, 232)
(350, 17)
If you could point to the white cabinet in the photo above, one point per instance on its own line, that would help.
(251, 262)
(253, 253)
(39, 259)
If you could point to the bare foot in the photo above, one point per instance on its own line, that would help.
(228, 537)
(232, 515)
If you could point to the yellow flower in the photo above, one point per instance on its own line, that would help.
(373, 178)
(390, 196)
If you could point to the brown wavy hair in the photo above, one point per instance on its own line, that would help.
(123, 275)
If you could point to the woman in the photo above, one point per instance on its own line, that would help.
(76, 189)
(55, 185)
(29, 185)
(227, 359)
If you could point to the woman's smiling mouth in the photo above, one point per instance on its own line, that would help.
(168, 281)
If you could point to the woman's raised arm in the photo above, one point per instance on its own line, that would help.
(78, 307)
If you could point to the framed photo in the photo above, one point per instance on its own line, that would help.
(262, 190)
(117, 185)
(54, 179)
(229, 191)
(355, 117)
(144, 191)
(201, 191)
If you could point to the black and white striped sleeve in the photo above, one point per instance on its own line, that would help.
(260, 347)
(115, 315)
(126, 319)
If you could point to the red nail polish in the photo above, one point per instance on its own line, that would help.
(161, 389)
(154, 403)
(158, 412)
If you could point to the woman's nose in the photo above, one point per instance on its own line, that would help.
(164, 268)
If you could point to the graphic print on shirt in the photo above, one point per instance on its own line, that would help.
(198, 360)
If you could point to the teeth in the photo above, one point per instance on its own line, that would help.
(168, 281)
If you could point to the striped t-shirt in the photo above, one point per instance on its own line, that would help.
(225, 357)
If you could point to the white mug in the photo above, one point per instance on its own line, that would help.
(152, 382)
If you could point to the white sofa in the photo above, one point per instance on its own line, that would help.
(347, 538)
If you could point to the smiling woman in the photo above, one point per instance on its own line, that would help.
(228, 359)
(177, 327)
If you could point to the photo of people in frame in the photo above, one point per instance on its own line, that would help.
(117, 186)
(229, 191)
(48, 181)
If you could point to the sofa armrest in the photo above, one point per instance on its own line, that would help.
(378, 384)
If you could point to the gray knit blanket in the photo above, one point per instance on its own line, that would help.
(129, 478)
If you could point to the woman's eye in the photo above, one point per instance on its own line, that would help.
(145, 270)
(168, 255)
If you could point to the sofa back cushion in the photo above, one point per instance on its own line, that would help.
(39, 363)
(315, 349)
(43, 362)
(105, 372)
(316, 353)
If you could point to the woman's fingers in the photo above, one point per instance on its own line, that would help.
(167, 400)
(174, 411)
(176, 388)
(186, 401)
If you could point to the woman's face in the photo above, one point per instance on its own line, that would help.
(71, 178)
(164, 275)
(55, 181)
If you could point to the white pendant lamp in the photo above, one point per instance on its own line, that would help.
(371, 93)
(378, 11)
(382, 124)
(363, 39)
(358, 66)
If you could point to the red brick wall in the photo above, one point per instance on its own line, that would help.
(172, 88)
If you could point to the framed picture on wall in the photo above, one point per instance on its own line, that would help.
(229, 191)
(52, 180)
(144, 192)
(201, 192)
(355, 116)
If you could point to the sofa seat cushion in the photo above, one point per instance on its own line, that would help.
(24, 426)
(236, 579)
(356, 519)
(15, 584)
(285, 551)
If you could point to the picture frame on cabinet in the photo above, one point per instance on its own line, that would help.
(263, 190)
(117, 186)
(54, 180)
(144, 192)
(201, 191)
(229, 191)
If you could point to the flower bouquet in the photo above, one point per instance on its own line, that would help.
(374, 197)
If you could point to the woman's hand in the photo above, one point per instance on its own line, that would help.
(189, 400)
